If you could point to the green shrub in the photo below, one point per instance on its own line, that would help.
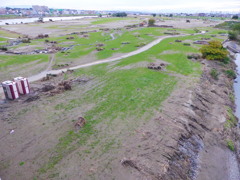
(232, 35)
(230, 74)
(186, 44)
(230, 145)
(151, 22)
(3, 48)
(226, 60)
(214, 73)
(214, 51)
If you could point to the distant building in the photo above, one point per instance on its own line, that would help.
(3, 11)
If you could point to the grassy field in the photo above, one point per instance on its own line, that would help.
(108, 20)
(9, 60)
(125, 91)
(8, 34)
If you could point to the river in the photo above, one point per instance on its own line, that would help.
(45, 19)
(237, 86)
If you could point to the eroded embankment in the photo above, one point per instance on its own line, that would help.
(202, 151)
(200, 121)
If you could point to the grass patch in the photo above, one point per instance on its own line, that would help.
(8, 60)
(230, 145)
(109, 20)
(21, 163)
(231, 119)
(214, 73)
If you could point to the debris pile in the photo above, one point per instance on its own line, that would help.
(156, 66)
(80, 123)
(200, 42)
(70, 38)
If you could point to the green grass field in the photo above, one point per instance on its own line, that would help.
(112, 19)
(123, 94)
(9, 60)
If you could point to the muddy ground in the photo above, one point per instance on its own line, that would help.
(62, 27)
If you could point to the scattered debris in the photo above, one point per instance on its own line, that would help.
(99, 45)
(80, 123)
(200, 42)
(194, 56)
(156, 66)
(47, 87)
(125, 43)
(100, 49)
(32, 98)
(130, 163)
(70, 37)
(12, 131)
(178, 40)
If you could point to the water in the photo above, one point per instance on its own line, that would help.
(237, 86)
(45, 19)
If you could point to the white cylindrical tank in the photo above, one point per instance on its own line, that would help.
(22, 85)
(10, 90)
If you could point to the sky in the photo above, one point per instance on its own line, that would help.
(136, 5)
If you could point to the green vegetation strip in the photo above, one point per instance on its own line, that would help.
(8, 60)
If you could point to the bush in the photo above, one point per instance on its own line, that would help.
(230, 74)
(120, 14)
(186, 44)
(235, 17)
(226, 60)
(214, 73)
(3, 48)
(26, 40)
(230, 145)
(151, 22)
(214, 51)
(232, 35)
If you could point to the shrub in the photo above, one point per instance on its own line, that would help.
(230, 74)
(226, 60)
(3, 48)
(235, 17)
(230, 145)
(26, 40)
(186, 44)
(214, 51)
(214, 73)
(119, 14)
(232, 35)
(151, 22)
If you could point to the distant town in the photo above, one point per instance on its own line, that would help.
(41, 11)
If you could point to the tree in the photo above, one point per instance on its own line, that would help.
(151, 22)
(214, 51)
(171, 15)
(154, 15)
(120, 14)
(100, 15)
(235, 17)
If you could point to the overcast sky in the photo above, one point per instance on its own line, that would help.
(137, 5)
